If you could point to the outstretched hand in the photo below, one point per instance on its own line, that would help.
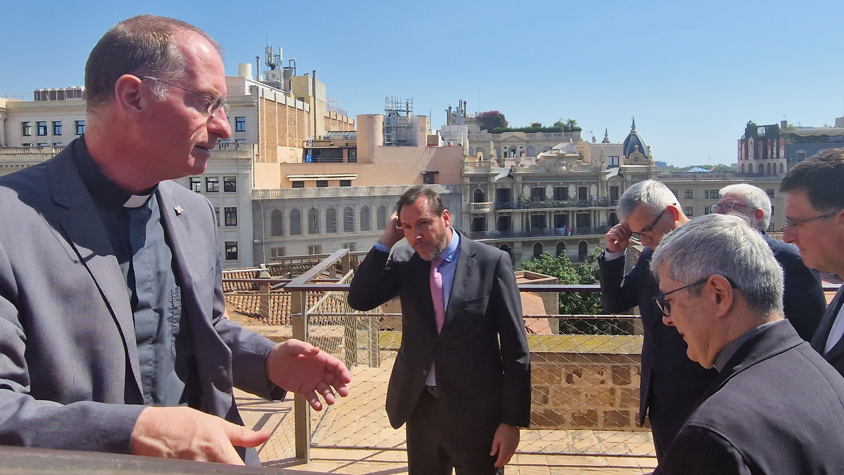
(304, 369)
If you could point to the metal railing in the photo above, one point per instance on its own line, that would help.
(552, 204)
(558, 232)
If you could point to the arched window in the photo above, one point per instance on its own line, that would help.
(295, 223)
(348, 220)
(276, 223)
(382, 217)
(530, 151)
(509, 252)
(782, 169)
(561, 248)
(478, 196)
(364, 218)
(537, 249)
(313, 221)
(761, 169)
(581, 251)
(331, 220)
(613, 219)
(769, 169)
(742, 167)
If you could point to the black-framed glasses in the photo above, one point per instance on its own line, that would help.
(665, 307)
(215, 103)
(795, 223)
(727, 207)
(648, 228)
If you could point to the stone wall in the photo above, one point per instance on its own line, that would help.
(577, 389)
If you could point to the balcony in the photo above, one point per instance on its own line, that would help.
(480, 208)
(537, 233)
(552, 204)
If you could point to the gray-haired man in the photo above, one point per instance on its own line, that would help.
(775, 405)
(804, 301)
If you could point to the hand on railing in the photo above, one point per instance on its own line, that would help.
(187, 434)
(304, 369)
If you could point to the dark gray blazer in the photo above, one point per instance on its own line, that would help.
(835, 357)
(774, 409)
(69, 371)
(481, 355)
(803, 299)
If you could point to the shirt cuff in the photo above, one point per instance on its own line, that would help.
(381, 247)
(611, 256)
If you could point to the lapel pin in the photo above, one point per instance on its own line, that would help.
(179, 210)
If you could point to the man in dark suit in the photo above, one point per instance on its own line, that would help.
(112, 329)
(461, 379)
(670, 383)
(814, 216)
(776, 405)
(803, 300)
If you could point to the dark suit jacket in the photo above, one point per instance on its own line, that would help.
(774, 409)
(477, 378)
(69, 371)
(803, 299)
(667, 371)
(835, 357)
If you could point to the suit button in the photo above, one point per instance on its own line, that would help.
(424, 372)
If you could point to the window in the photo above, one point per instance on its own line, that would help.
(322, 183)
(196, 184)
(800, 156)
(561, 193)
(276, 223)
(581, 193)
(276, 252)
(231, 250)
(711, 194)
(382, 218)
(689, 194)
(230, 184)
(770, 192)
(41, 144)
(331, 220)
(80, 127)
(537, 194)
(240, 124)
(348, 220)
(364, 218)
(26, 129)
(315, 249)
(428, 179)
(353, 155)
(313, 222)
(345, 182)
(217, 215)
(707, 209)
(231, 216)
(690, 211)
(212, 184)
(352, 247)
(613, 162)
(295, 223)
(57, 144)
(298, 184)
(57, 127)
(239, 140)
(42, 127)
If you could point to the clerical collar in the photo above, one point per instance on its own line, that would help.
(99, 185)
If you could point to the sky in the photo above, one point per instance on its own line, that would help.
(693, 73)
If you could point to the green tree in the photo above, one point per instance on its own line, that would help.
(491, 120)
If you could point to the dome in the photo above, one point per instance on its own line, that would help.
(633, 143)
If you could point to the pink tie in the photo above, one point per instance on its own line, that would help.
(437, 292)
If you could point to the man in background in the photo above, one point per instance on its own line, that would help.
(461, 379)
(670, 382)
(804, 302)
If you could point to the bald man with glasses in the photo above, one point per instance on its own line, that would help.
(670, 382)
(814, 216)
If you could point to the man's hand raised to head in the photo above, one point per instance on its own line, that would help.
(304, 369)
(185, 433)
(393, 233)
(618, 237)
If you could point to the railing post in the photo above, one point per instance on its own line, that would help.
(301, 408)
(373, 326)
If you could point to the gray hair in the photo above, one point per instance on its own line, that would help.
(752, 197)
(725, 245)
(651, 193)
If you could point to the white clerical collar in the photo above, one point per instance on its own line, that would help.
(136, 201)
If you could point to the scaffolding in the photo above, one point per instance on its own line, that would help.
(398, 122)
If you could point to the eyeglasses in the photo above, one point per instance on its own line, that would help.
(794, 224)
(727, 207)
(650, 228)
(214, 103)
(665, 307)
